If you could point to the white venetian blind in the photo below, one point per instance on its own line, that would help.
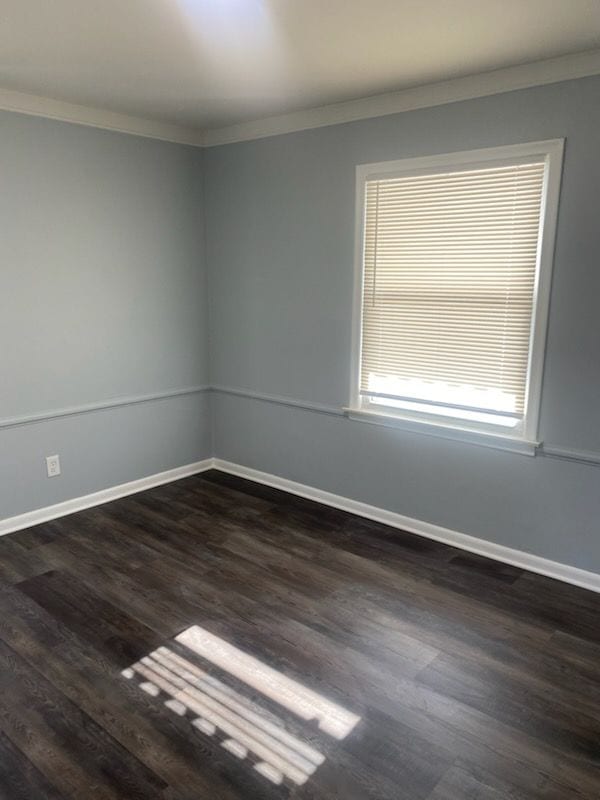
(450, 265)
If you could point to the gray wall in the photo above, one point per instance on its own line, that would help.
(103, 295)
(280, 238)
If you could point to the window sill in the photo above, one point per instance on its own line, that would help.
(498, 441)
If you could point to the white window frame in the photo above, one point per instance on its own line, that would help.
(523, 440)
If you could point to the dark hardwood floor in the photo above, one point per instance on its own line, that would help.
(218, 639)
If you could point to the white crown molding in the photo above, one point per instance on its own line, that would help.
(538, 73)
(37, 106)
(523, 76)
(497, 552)
(40, 515)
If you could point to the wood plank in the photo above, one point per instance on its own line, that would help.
(471, 679)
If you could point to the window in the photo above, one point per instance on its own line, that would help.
(453, 284)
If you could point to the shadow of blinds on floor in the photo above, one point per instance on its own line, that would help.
(245, 728)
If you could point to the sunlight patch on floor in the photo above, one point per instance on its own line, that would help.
(245, 729)
(333, 719)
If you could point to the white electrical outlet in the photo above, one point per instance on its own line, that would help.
(53, 466)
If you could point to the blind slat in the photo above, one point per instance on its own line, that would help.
(450, 262)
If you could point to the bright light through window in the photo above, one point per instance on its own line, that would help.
(455, 263)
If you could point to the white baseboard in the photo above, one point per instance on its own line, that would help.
(12, 524)
(498, 552)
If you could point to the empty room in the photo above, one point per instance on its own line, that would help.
(300, 400)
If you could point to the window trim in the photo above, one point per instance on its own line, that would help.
(524, 439)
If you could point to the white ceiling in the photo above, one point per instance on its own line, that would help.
(211, 63)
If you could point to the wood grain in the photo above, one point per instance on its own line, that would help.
(470, 679)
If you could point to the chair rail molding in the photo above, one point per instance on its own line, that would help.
(102, 405)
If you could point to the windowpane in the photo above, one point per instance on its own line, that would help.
(450, 262)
